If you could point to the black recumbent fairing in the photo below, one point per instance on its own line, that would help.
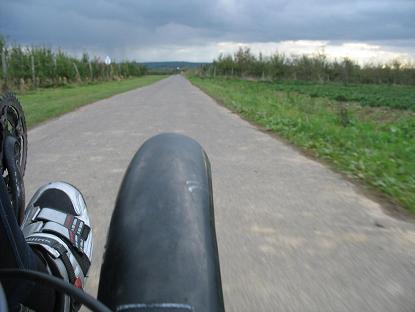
(161, 252)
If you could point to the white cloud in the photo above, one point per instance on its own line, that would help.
(365, 30)
(361, 52)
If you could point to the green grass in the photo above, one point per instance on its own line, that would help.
(396, 96)
(42, 104)
(376, 145)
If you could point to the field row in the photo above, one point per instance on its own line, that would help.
(396, 96)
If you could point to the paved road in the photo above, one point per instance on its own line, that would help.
(293, 235)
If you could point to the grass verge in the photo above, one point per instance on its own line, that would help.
(42, 104)
(376, 145)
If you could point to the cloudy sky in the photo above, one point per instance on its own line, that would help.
(161, 30)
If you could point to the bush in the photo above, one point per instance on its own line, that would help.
(245, 64)
(45, 67)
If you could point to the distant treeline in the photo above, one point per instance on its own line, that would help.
(170, 68)
(317, 67)
(28, 67)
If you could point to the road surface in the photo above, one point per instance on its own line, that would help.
(292, 234)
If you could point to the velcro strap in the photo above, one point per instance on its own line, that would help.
(60, 249)
(69, 221)
(75, 239)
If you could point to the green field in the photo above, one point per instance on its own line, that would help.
(42, 104)
(397, 96)
(373, 144)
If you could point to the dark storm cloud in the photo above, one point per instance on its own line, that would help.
(120, 26)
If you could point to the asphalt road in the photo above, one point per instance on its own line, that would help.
(293, 235)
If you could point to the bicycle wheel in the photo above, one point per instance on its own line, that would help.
(13, 153)
(13, 122)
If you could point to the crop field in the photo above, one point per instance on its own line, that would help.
(356, 128)
(375, 95)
